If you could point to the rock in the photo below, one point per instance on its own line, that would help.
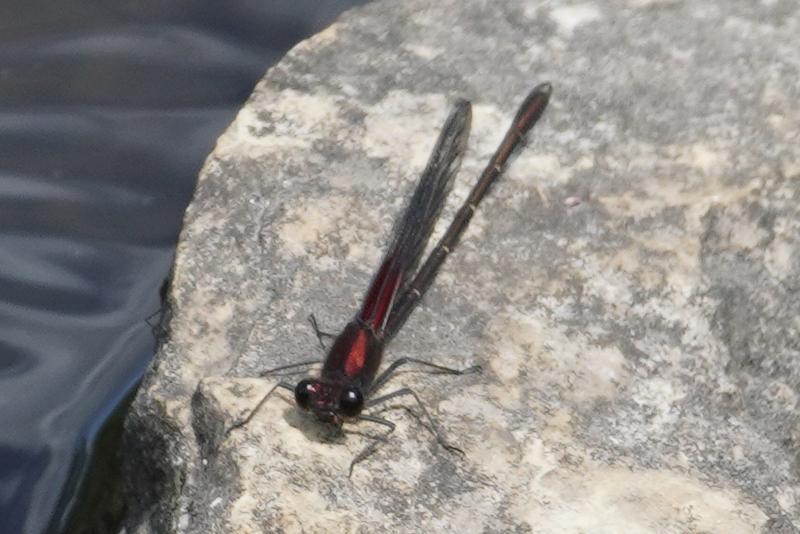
(631, 286)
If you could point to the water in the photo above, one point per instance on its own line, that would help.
(107, 111)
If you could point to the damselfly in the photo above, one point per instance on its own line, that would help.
(349, 378)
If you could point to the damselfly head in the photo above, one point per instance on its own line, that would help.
(329, 402)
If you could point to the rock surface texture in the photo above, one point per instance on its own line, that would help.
(631, 286)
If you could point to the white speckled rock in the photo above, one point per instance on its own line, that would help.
(631, 286)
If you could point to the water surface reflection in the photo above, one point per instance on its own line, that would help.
(107, 111)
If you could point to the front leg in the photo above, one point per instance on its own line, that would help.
(243, 422)
(434, 427)
(372, 447)
(272, 371)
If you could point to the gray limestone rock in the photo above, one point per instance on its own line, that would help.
(631, 287)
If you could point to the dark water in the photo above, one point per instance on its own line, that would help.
(107, 111)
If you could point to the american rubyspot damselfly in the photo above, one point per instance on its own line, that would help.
(349, 378)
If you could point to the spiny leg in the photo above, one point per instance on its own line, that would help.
(268, 372)
(372, 447)
(434, 428)
(252, 414)
(437, 369)
(319, 333)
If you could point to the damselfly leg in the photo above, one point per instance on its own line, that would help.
(254, 411)
(319, 333)
(431, 368)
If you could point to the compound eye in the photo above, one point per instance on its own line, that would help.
(303, 392)
(351, 402)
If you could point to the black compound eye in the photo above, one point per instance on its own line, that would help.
(303, 392)
(351, 402)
